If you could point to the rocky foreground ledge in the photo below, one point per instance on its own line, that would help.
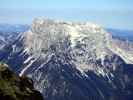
(13, 87)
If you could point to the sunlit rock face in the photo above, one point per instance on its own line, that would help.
(70, 61)
(82, 42)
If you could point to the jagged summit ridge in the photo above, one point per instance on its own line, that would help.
(45, 33)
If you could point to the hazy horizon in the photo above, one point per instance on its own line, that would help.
(110, 14)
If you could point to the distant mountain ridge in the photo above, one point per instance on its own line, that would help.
(13, 28)
(121, 34)
(9, 32)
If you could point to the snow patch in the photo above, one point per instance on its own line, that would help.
(28, 66)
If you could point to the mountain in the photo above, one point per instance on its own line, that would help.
(7, 28)
(121, 34)
(71, 61)
(9, 32)
(13, 87)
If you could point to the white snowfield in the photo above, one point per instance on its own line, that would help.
(83, 42)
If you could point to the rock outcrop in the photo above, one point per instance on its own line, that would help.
(13, 87)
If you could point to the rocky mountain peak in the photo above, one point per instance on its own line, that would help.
(51, 34)
(81, 42)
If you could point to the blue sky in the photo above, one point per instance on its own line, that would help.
(107, 13)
